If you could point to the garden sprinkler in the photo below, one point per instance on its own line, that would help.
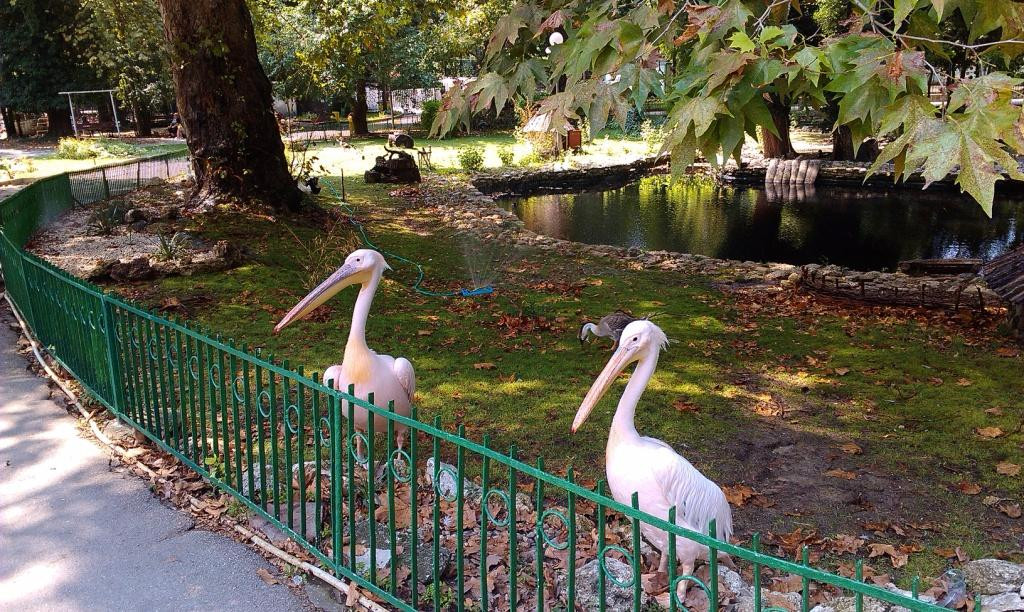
(478, 291)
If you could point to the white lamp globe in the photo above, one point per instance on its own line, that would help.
(556, 38)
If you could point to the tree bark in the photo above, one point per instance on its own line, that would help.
(226, 105)
(59, 120)
(143, 119)
(359, 126)
(780, 146)
(842, 144)
(10, 124)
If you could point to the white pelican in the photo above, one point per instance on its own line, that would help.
(388, 378)
(660, 476)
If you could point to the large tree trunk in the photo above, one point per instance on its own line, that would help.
(7, 114)
(358, 126)
(842, 144)
(225, 102)
(59, 120)
(773, 146)
(143, 119)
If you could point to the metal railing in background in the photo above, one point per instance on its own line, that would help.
(281, 443)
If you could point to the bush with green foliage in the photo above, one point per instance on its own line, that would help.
(506, 155)
(89, 148)
(471, 159)
(430, 108)
(106, 217)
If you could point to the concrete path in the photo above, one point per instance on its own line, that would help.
(75, 535)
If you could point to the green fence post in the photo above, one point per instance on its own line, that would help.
(113, 363)
(106, 185)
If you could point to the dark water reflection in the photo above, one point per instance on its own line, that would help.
(864, 229)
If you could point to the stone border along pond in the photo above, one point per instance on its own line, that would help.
(478, 212)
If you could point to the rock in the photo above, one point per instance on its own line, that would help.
(616, 598)
(100, 269)
(138, 226)
(424, 551)
(849, 604)
(118, 431)
(133, 270)
(448, 484)
(1002, 602)
(134, 215)
(275, 535)
(993, 576)
(227, 252)
(774, 599)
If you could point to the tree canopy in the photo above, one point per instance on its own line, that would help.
(875, 59)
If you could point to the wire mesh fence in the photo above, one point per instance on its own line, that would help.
(438, 521)
(90, 186)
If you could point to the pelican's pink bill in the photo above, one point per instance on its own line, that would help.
(324, 291)
(618, 362)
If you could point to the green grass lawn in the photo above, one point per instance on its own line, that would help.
(841, 418)
(47, 163)
(608, 147)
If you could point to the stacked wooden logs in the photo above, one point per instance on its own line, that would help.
(792, 171)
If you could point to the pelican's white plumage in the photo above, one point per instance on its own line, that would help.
(389, 379)
(651, 468)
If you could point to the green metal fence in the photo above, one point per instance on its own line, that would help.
(254, 427)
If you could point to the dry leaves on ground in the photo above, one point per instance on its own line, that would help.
(738, 494)
(486, 365)
(898, 558)
(1011, 510)
(968, 488)
(266, 576)
(851, 448)
(989, 432)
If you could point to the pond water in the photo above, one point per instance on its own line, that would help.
(864, 229)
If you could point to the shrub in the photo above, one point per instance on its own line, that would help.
(506, 155)
(106, 217)
(471, 158)
(634, 120)
(430, 108)
(75, 148)
(171, 247)
(651, 134)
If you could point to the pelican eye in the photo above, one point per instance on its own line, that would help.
(636, 338)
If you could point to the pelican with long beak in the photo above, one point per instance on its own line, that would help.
(661, 477)
(388, 378)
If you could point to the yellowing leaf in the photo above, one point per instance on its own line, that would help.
(851, 449)
(989, 432)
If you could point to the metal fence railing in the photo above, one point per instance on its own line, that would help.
(281, 443)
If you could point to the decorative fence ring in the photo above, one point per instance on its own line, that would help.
(193, 367)
(119, 331)
(213, 379)
(172, 356)
(264, 395)
(324, 423)
(444, 469)
(404, 456)
(134, 339)
(365, 459)
(544, 534)
(151, 349)
(674, 589)
(291, 425)
(503, 496)
(92, 319)
(239, 395)
(604, 568)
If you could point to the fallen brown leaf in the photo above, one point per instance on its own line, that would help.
(1009, 509)
(738, 495)
(898, 558)
(844, 474)
(1008, 469)
(989, 432)
(842, 371)
(843, 543)
(486, 365)
(963, 382)
(968, 488)
(851, 449)
(1007, 351)
(995, 411)
(266, 576)
(990, 500)
(682, 405)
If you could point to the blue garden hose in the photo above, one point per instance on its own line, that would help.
(419, 269)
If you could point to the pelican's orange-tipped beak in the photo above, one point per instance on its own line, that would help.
(343, 277)
(618, 362)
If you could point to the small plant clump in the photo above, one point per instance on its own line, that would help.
(471, 159)
(12, 166)
(429, 112)
(171, 247)
(506, 155)
(106, 217)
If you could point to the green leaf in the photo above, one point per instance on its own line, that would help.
(741, 41)
(770, 33)
(977, 174)
(902, 8)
